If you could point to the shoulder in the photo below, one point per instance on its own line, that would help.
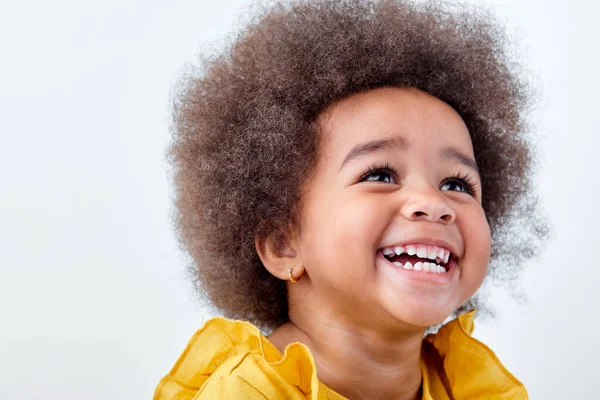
(231, 359)
(458, 363)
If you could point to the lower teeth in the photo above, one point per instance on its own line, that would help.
(420, 266)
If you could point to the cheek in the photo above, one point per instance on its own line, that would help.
(477, 247)
(344, 235)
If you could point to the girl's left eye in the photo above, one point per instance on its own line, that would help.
(455, 186)
(459, 184)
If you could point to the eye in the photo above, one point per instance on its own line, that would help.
(379, 173)
(455, 185)
(461, 183)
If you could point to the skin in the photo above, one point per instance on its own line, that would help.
(363, 320)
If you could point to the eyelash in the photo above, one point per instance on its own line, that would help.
(465, 179)
(385, 168)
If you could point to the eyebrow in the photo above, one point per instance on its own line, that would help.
(398, 142)
(373, 146)
(452, 153)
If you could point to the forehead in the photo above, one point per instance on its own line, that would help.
(420, 119)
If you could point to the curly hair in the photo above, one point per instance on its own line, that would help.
(245, 137)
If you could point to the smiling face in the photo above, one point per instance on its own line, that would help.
(395, 171)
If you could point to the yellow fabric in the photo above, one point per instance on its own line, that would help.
(232, 360)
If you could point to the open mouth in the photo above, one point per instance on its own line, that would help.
(420, 257)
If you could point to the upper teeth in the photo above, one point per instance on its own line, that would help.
(421, 250)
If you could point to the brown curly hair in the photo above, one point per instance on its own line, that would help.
(245, 134)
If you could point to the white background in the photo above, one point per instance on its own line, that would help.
(93, 301)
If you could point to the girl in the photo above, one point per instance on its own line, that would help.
(345, 173)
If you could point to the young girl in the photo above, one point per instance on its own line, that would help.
(345, 173)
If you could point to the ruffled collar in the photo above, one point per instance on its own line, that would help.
(469, 367)
(452, 361)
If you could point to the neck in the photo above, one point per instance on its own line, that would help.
(356, 362)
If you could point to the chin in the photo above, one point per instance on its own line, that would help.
(425, 318)
(422, 313)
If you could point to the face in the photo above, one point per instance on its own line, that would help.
(395, 174)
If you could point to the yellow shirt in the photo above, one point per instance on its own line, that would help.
(233, 360)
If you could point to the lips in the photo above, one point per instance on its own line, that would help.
(420, 270)
(417, 263)
(439, 253)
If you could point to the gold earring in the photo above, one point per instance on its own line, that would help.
(290, 275)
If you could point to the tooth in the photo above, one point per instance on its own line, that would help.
(432, 253)
(421, 251)
(426, 267)
(443, 269)
(441, 253)
(411, 250)
(388, 251)
(418, 266)
(397, 263)
(446, 257)
(408, 265)
(399, 250)
(439, 269)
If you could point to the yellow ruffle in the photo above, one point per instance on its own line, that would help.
(232, 360)
(471, 369)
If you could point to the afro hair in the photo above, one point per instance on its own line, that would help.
(245, 137)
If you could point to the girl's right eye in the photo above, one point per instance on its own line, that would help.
(383, 173)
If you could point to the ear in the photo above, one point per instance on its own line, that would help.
(278, 254)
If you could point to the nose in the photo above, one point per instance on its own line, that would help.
(427, 204)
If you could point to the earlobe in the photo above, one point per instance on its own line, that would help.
(279, 259)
